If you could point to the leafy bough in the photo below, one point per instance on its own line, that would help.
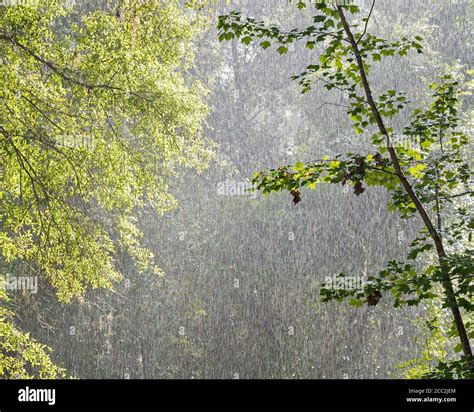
(429, 178)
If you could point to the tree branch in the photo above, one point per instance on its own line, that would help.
(447, 283)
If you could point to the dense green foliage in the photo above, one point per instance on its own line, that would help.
(20, 355)
(95, 116)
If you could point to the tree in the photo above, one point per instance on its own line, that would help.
(424, 178)
(94, 117)
(273, 320)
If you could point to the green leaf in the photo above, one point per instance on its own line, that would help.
(246, 40)
(301, 5)
(329, 23)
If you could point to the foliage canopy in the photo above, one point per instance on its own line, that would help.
(95, 116)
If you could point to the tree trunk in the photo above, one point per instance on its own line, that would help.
(447, 283)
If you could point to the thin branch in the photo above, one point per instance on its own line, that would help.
(56, 69)
(332, 104)
(366, 23)
(382, 170)
(469, 192)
